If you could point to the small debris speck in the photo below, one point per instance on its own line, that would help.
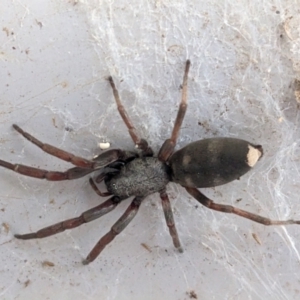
(104, 146)
(256, 238)
(192, 295)
(47, 263)
(26, 283)
(146, 247)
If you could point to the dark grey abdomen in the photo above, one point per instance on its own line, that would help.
(140, 177)
(212, 162)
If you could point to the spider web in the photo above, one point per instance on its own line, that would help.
(56, 57)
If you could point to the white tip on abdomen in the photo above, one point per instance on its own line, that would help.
(253, 156)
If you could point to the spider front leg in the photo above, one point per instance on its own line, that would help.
(169, 145)
(99, 162)
(234, 210)
(117, 228)
(54, 151)
(72, 173)
(85, 217)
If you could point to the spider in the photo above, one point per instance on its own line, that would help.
(204, 163)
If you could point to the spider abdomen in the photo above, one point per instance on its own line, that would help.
(213, 162)
(139, 177)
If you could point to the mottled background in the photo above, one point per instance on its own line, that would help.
(55, 58)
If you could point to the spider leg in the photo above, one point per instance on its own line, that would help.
(85, 217)
(59, 153)
(170, 220)
(73, 173)
(100, 177)
(95, 188)
(99, 161)
(117, 228)
(168, 146)
(234, 210)
(139, 142)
